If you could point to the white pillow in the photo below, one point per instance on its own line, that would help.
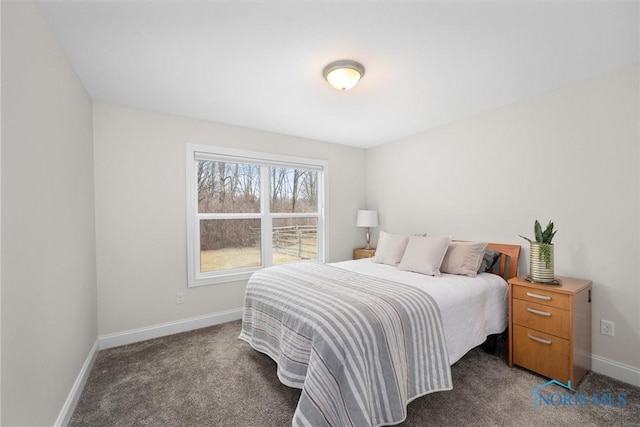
(425, 254)
(463, 258)
(390, 248)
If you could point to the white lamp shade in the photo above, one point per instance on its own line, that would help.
(367, 218)
(343, 78)
(343, 74)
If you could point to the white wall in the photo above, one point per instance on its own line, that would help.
(141, 212)
(570, 155)
(49, 314)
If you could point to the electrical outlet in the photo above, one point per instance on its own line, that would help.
(607, 328)
(179, 297)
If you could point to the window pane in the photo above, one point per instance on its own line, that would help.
(229, 243)
(293, 190)
(228, 187)
(294, 239)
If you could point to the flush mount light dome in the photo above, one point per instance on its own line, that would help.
(343, 74)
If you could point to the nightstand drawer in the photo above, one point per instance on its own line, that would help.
(363, 253)
(545, 354)
(542, 296)
(542, 318)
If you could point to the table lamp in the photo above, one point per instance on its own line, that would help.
(367, 218)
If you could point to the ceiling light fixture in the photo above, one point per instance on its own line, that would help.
(343, 74)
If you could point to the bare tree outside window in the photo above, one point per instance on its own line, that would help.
(228, 187)
(293, 190)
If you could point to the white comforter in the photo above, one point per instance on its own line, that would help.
(471, 308)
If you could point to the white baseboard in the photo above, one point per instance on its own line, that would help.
(616, 370)
(74, 395)
(169, 328)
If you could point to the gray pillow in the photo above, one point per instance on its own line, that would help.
(463, 258)
(489, 260)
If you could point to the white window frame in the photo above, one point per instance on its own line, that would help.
(197, 151)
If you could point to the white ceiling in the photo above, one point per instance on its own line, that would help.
(259, 64)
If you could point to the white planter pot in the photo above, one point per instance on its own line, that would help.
(539, 270)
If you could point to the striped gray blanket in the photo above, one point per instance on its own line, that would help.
(360, 348)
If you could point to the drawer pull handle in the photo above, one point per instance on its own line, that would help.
(543, 341)
(544, 297)
(541, 313)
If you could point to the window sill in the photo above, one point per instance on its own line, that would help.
(240, 276)
(223, 278)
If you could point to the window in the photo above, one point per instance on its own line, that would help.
(248, 210)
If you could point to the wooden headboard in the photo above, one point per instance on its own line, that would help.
(508, 264)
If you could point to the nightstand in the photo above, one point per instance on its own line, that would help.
(550, 328)
(363, 253)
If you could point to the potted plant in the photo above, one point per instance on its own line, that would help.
(541, 253)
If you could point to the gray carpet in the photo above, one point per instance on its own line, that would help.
(209, 377)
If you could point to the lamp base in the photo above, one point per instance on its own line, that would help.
(367, 234)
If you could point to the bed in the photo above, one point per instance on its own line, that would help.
(362, 339)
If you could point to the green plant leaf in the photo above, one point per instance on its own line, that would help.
(548, 233)
(526, 238)
(537, 232)
(545, 254)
